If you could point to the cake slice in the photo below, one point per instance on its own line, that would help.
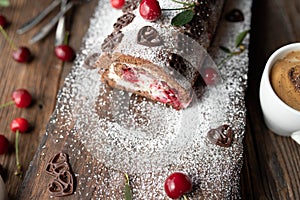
(157, 60)
(144, 78)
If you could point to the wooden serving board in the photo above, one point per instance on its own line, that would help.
(64, 132)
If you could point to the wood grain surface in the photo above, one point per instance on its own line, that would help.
(272, 163)
(271, 169)
(42, 77)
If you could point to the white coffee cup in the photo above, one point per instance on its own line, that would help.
(278, 116)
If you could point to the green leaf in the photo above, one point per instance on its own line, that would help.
(128, 194)
(241, 37)
(183, 18)
(225, 49)
(4, 3)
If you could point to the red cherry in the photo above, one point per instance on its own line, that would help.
(150, 10)
(3, 21)
(177, 184)
(118, 4)
(64, 52)
(210, 76)
(4, 145)
(167, 94)
(22, 55)
(22, 98)
(19, 124)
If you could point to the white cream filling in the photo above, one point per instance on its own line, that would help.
(142, 85)
(144, 81)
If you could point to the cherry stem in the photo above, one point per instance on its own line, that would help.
(186, 6)
(189, 4)
(183, 8)
(128, 194)
(225, 59)
(231, 54)
(18, 172)
(184, 197)
(127, 178)
(7, 38)
(67, 37)
(7, 104)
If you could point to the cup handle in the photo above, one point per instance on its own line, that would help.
(296, 136)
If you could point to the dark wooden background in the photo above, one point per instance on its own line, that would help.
(272, 169)
(272, 163)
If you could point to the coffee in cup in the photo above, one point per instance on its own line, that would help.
(281, 114)
(285, 79)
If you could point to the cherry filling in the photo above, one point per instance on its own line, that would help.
(129, 75)
(160, 90)
(166, 94)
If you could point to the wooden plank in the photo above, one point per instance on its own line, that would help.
(269, 172)
(61, 139)
(35, 76)
(272, 170)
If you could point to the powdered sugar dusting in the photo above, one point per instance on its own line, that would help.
(125, 133)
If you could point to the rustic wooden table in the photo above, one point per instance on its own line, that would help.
(272, 162)
(271, 169)
(42, 77)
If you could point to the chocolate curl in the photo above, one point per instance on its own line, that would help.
(63, 183)
(57, 164)
(221, 136)
(148, 36)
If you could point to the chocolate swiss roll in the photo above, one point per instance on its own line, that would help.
(158, 60)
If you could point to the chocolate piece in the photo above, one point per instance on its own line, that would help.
(235, 15)
(130, 5)
(63, 183)
(221, 136)
(179, 64)
(112, 41)
(123, 21)
(148, 36)
(199, 87)
(57, 164)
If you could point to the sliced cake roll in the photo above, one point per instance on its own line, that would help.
(158, 60)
